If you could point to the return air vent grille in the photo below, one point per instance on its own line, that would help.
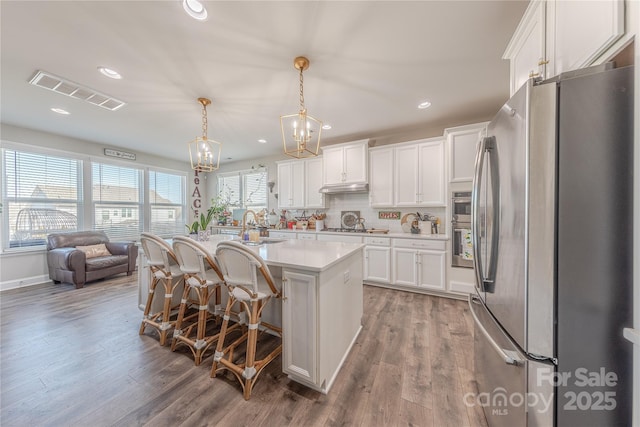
(74, 90)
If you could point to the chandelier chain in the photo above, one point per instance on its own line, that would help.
(204, 122)
(301, 91)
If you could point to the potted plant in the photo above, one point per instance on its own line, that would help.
(218, 209)
(193, 227)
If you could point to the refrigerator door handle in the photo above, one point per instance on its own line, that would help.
(475, 216)
(510, 357)
(489, 281)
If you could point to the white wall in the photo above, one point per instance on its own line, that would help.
(28, 266)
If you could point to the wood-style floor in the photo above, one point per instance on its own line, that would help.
(73, 357)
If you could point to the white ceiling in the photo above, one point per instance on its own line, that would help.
(372, 62)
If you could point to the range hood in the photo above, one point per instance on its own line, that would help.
(345, 188)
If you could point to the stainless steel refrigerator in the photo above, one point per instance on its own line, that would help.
(552, 226)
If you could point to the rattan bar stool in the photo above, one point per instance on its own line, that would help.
(240, 267)
(164, 269)
(202, 279)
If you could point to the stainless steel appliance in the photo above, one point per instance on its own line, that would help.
(462, 252)
(552, 226)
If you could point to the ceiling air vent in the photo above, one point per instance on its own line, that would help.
(74, 90)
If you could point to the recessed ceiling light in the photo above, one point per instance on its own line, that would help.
(195, 9)
(326, 126)
(111, 73)
(423, 105)
(262, 141)
(60, 111)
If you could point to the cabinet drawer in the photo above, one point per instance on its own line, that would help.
(377, 241)
(306, 236)
(339, 238)
(282, 235)
(435, 245)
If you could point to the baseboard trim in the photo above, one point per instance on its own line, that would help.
(24, 282)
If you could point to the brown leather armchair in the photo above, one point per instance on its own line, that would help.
(70, 265)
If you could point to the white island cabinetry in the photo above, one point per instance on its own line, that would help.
(299, 325)
(321, 306)
(321, 316)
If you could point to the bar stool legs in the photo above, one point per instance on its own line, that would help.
(201, 342)
(247, 373)
(164, 324)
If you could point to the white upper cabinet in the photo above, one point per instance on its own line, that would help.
(555, 36)
(299, 183)
(462, 142)
(312, 183)
(578, 32)
(291, 184)
(381, 177)
(526, 50)
(419, 178)
(346, 163)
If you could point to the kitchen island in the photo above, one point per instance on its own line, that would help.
(321, 307)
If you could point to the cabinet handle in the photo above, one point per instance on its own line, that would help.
(543, 62)
(282, 295)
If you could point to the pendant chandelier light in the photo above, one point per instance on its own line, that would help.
(300, 132)
(204, 152)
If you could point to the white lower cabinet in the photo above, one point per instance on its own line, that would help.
(377, 259)
(299, 325)
(419, 263)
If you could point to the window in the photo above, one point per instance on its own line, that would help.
(244, 189)
(167, 202)
(116, 189)
(42, 194)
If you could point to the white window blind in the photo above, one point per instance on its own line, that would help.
(244, 189)
(117, 201)
(167, 202)
(42, 194)
(255, 190)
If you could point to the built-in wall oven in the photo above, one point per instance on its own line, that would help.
(462, 249)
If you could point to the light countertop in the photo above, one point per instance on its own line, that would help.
(390, 235)
(311, 255)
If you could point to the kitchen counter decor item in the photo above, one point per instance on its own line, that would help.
(349, 219)
(389, 215)
(406, 222)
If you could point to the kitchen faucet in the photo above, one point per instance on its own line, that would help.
(244, 221)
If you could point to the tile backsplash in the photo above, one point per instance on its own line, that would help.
(336, 203)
